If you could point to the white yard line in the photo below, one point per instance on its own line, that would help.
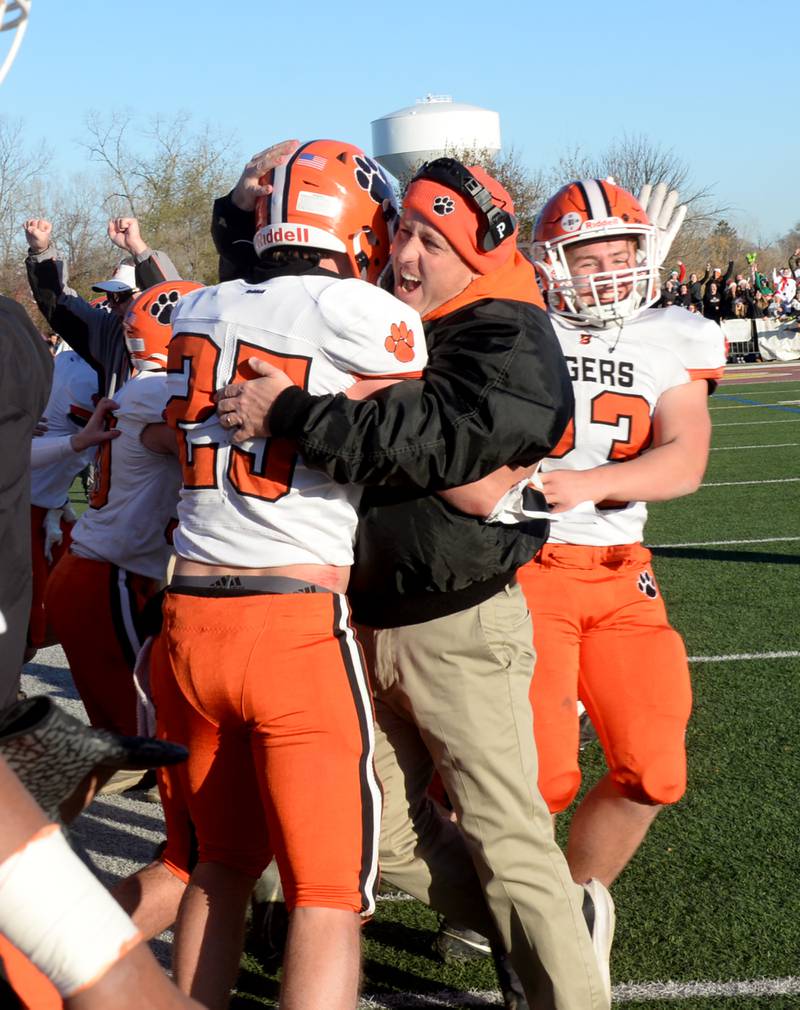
(741, 656)
(724, 543)
(741, 483)
(768, 445)
(625, 992)
(739, 424)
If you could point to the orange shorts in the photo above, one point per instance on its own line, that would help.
(38, 635)
(269, 693)
(601, 634)
(96, 611)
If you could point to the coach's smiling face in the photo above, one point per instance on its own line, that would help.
(427, 270)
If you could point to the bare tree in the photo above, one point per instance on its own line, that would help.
(169, 185)
(19, 168)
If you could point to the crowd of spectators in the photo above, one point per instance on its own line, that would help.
(717, 295)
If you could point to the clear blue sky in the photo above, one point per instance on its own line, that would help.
(717, 81)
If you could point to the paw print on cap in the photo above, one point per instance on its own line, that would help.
(400, 342)
(163, 305)
(443, 205)
(646, 585)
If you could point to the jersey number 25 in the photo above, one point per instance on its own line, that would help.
(263, 471)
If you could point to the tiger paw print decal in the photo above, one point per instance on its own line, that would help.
(163, 305)
(443, 205)
(370, 177)
(400, 342)
(647, 586)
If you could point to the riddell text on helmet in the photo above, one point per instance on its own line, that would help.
(281, 236)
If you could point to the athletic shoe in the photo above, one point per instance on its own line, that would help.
(598, 911)
(455, 944)
(508, 980)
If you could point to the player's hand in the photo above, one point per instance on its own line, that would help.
(95, 431)
(124, 232)
(38, 232)
(40, 428)
(665, 213)
(564, 489)
(245, 406)
(250, 187)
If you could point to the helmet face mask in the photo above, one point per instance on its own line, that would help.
(602, 214)
(330, 197)
(147, 325)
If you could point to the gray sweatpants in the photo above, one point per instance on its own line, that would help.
(452, 694)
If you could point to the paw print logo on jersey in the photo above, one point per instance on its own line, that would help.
(400, 342)
(443, 205)
(163, 305)
(370, 177)
(647, 586)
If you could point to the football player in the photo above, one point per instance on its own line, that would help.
(257, 669)
(640, 433)
(68, 409)
(117, 561)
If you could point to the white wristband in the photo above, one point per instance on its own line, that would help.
(59, 915)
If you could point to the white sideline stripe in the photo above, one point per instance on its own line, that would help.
(723, 543)
(394, 897)
(755, 406)
(625, 992)
(739, 424)
(735, 657)
(739, 483)
(768, 445)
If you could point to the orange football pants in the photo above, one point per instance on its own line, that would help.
(269, 694)
(95, 610)
(602, 635)
(37, 626)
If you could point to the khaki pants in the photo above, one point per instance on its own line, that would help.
(452, 694)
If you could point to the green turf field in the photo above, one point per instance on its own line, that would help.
(708, 913)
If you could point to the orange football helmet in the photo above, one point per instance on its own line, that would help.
(330, 196)
(148, 323)
(593, 210)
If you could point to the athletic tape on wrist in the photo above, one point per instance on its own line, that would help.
(59, 915)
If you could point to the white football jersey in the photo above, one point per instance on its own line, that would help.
(258, 505)
(131, 514)
(68, 409)
(617, 378)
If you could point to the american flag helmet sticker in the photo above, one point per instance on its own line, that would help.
(313, 161)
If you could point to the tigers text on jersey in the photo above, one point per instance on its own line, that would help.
(68, 409)
(130, 515)
(618, 376)
(258, 505)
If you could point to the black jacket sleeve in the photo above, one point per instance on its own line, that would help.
(232, 230)
(496, 391)
(66, 312)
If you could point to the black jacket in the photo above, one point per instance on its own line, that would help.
(496, 391)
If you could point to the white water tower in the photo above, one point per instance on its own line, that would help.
(430, 128)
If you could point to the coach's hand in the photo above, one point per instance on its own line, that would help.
(245, 406)
(250, 185)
